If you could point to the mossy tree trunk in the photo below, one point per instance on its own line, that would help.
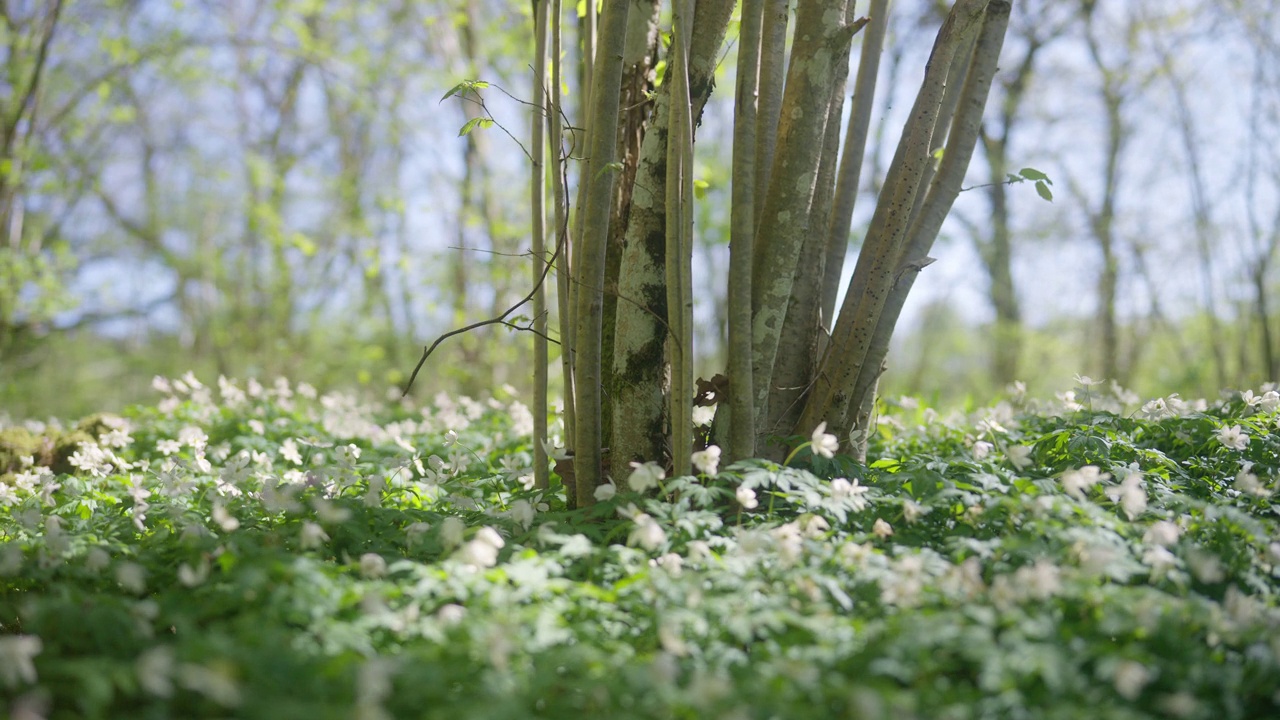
(639, 383)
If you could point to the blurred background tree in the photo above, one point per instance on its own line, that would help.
(273, 187)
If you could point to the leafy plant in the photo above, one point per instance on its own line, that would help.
(264, 551)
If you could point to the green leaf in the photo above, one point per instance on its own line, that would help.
(1033, 174)
(474, 123)
(700, 188)
(464, 87)
(1043, 190)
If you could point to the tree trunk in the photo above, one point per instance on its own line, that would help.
(850, 174)
(679, 237)
(942, 193)
(803, 332)
(773, 64)
(880, 261)
(821, 46)
(599, 177)
(739, 410)
(634, 105)
(639, 380)
(538, 214)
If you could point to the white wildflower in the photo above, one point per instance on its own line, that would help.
(822, 443)
(451, 614)
(132, 577)
(813, 526)
(16, 654)
(673, 563)
(1041, 581)
(311, 536)
(482, 550)
(1162, 533)
(521, 419)
(523, 512)
(1157, 409)
(707, 461)
(605, 492)
(215, 683)
(645, 475)
(1269, 401)
(1206, 567)
(849, 491)
(746, 497)
(646, 533)
(224, 518)
(1019, 456)
(981, 449)
(1247, 482)
(193, 437)
(1233, 437)
(790, 542)
(451, 530)
(289, 451)
(96, 560)
(881, 529)
(1130, 495)
(155, 671)
(1130, 678)
(372, 565)
(192, 576)
(1159, 558)
(1077, 482)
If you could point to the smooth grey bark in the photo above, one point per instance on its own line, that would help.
(537, 215)
(740, 407)
(773, 72)
(803, 331)
(599, 177)
(679, 237)
(821, 34)
(559, 181)
(942, 192)
(879, 261)
(855, 146)
(639, 381)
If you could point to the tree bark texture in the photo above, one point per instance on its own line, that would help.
(942, 192)
(882, 253)
(639, 381)
(600, 179)
(803, 331)
(855, 145)
(820, 36)
(634, 106)
(740, 407)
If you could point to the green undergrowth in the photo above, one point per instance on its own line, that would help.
(265, 552)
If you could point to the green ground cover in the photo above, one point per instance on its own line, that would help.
(265, 552)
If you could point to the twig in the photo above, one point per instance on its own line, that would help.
(499, 320)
